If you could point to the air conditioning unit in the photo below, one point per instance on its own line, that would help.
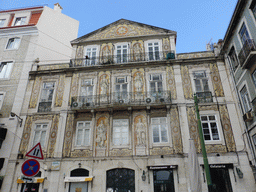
(248, 116)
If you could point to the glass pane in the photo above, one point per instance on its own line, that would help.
(204, 118)
(36, 138)
(79, 137)
(152, 87)
(198, 85)
(212, 117)
(205, 125)
(162, 175)
(160, 86)
(86, 136)
(205, 85)
(43, 135)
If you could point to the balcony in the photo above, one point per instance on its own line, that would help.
(121, 59)
(44, 106)
(204, 97)
(121, 100)
(247, 54)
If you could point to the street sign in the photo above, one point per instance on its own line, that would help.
(36, 152)
(30, 167)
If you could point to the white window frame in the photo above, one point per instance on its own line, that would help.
(89, 62)
(2, 22)
(2, 95)
(91, 83)
(122, 54)
(6, 69)
(254, 77)
(123, 130)
(150, 80)
(208, 121)
(233, 58)
(146, 45)
(254, 140)
(53, 94)
(83, 144)
(23, 21)
(243, 20)
(159, 131)
(219, 127)
(13, 43)
(47, 129)
(201, 81)
(245, 98)
(116, 95)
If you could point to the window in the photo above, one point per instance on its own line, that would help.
(2, 21)
(121, 89)
(254, 140)
(120, 131)
(40, 134)
(1, 99)
(254, 11)
(210, 127)
(13, 43)
(46, 97)
(155, 84)
(20, 21)
(254, 77)
(90, 56)
(159, 129)
(201, 81)
(153, 51)
(233, 58)
(245, 99)
(5, 69)
(243, 33)
(122, 53)
(83, 133)
(87, 90)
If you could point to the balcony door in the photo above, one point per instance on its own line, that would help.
(86, 91)
(122, 53)
(121, 89)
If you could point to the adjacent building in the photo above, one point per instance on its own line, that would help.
(239, 50)
(119, 116)
(27, 36)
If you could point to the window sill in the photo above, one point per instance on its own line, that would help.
(167, 144)
(214, 142)
(82, 147)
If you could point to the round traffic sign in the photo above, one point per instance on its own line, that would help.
(30, 167)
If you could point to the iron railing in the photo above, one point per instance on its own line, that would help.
(204, 97)
(125, 98)
(44, 106)
(119, 59)
(249, 45)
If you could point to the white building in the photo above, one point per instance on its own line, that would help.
(28, 36)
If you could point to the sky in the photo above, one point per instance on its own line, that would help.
(196, 22)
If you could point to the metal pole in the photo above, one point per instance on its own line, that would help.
(25, 186)
(206, 164)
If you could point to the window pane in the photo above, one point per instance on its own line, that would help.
(36, 138)
(79, 136)
(86, 136)
(43, 135)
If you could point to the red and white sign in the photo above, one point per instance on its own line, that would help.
(36, 152)
(30, 167)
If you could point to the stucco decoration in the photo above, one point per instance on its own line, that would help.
(74, 87)
(123, 30)
(120, 152)
(166, 46)
(171, 82)
(26, 135)
(53, 136)
(175, 130)
(215, 148)
(81, 153)
(102, 125)
(208, 107)
(193, 127)
(80, 52)
(140, 129)
(35, 92)
(138, 84)
(106, 53)
(195, 55)
(60, 91)
(216, 80)
(52, 67)
(104, 86)
(227, 130)
(137, 51)
(186, 82)
(68, 135)
(161, 151)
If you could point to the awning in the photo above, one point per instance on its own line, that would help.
(78, 179)
(38, 180)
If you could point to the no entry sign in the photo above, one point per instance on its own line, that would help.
(30, 167)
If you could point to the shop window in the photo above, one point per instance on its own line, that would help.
(163, 181)
(221, 180)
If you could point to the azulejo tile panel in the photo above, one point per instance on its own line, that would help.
(161, 151)
(171, 82)
(53, 136)
(60, 91)
(176, 132)
(35, 92)
(217, 85)
(186, 82)
(74, 86)
(68, 135)
(120, 152)
(81, 153)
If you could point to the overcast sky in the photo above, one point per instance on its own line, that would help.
(196, 22)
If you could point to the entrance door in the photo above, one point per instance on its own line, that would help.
(221, 179)
(78, 187)
(163, 181)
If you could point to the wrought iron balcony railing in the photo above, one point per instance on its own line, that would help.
(248, 47)
(204, 97)
(121, 59)
(125, 98)
(44, 106)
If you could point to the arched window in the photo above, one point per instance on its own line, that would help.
(79, 173)
(79, 186)
(121, 180)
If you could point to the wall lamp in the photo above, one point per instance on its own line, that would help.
(19, 119)
(143, 177)
(239, 173)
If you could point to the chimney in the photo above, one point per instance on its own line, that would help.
(57, 7)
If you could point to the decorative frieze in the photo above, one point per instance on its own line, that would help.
(120, 152)
(186, 82)
(217, 85)
(81, 153)
(175, 129)
(35, 92)
(60, 91)
(161, 151)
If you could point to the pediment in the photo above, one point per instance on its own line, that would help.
(121, 29)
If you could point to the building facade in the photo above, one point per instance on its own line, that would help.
(119, 116)
(239, 50)
(27, 36)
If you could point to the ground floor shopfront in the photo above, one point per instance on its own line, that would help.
(137, 174)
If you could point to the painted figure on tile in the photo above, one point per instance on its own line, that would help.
(137, 52)
(106, 54)
(140, 131)
(104, 85)
(101, 134)
(138, 82)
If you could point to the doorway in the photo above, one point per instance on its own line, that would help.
(163, 181)
(220, 179)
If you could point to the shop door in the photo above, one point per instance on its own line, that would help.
(30, 187)
(78, 187)
(163, 181)
(221, 179)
